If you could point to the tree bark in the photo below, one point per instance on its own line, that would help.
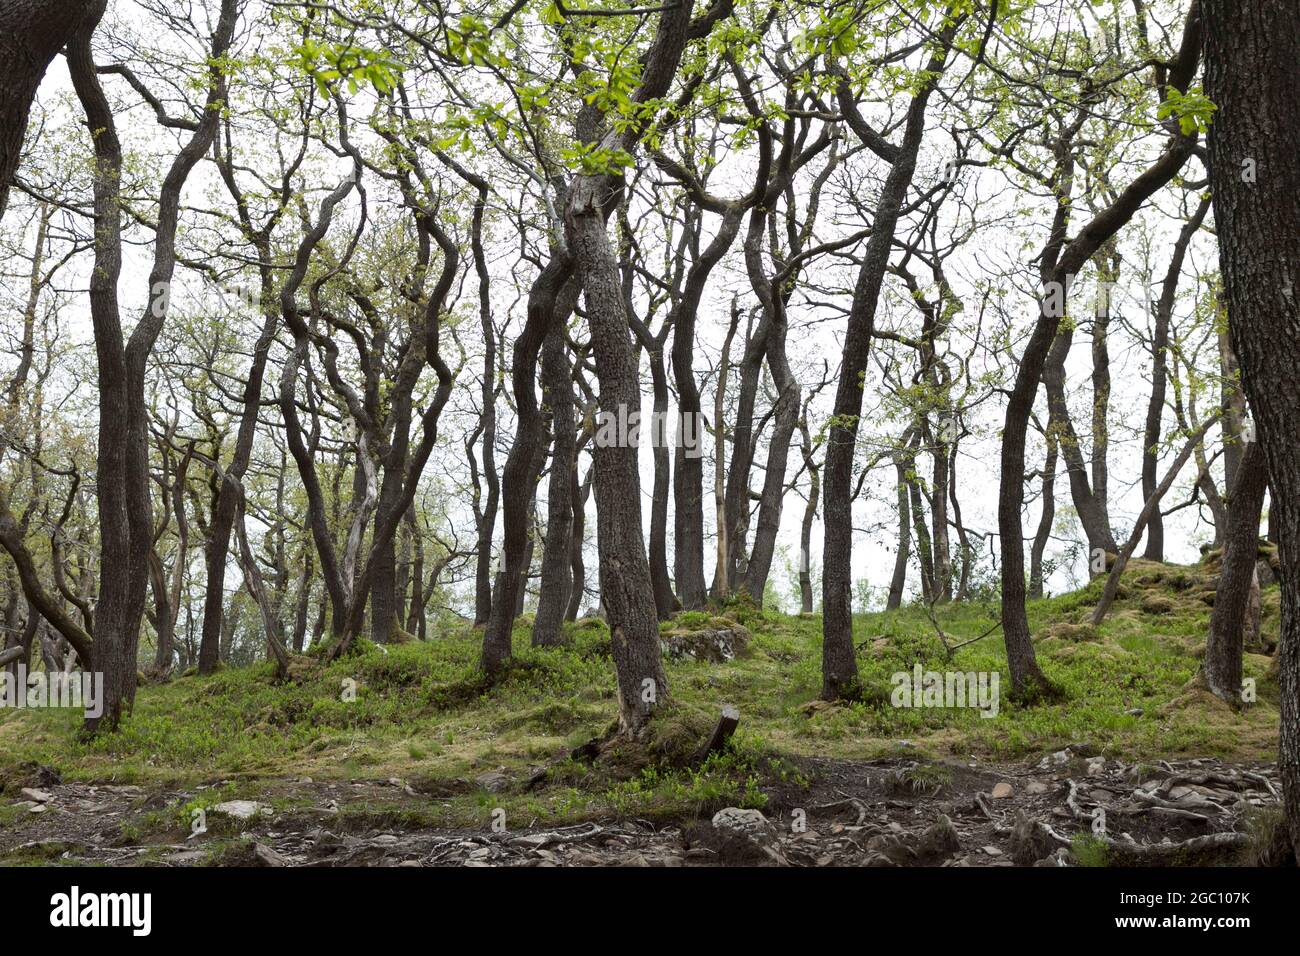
(1236, 576)
(557, 385)
(1251, 51)
(32, 32)
(839, 665)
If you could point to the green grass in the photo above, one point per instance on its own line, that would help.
(423, 711)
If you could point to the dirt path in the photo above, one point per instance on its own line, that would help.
(879, 813)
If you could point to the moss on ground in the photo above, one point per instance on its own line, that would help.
(422, 712)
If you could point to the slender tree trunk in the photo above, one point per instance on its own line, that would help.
(898, 582)
(1093, 511)
(1232, 596)
(688, 477)
(557, 385)
(839, 664)
(1046, 518)
(1164, 311)
(809, 516)
(550, 302)
(578, 494)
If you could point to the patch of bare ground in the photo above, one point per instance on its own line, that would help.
(895, 812)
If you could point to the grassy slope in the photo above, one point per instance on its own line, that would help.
(422, 713)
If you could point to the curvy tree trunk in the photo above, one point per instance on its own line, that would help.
(557, 390)
(550, 301)
(660, 435)
(688, 477)
(839, 665)
(809, 516)
(739, 507)
(1228, 622)
(721, 588)
(122, 480)
(1094, 514)
(32, 32)
(1058, 261)
(1164, 311)
(626, 588)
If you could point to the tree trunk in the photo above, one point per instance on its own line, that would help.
(550, 302)
(839, 664)
(578, 494)
(625, 583)
(1046, 518)
(1251, 51)
(898, 582)
(688, 477)
(32, 32)
(1164, 311)
(1228, 622)
(1093, 511)
(557, 385)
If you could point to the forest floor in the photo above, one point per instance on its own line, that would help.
(426, 764)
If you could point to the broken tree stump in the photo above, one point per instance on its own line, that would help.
(722, 732)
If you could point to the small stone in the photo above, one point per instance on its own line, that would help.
(37, 808)
(1002, 790)
(492, 781)
(991, 850)
(37, 796)
(240, 809)
(751, 824)
(1036, 787)
(269, 857)
(1096, 766)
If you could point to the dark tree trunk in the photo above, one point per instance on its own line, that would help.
(1094, 514)
(898, 582)
(557, 575)
(1251, 52)
(809, 516)
(487, 514)
(578, 494)
(122, 480)
(739, 507)
(1059, 261)
(626, 589)
(1232, 596)
(550, 301)
(688, 479)
(660, 435)
(32, 32)
(1164, 310)
(1047, 516)
(839, 664)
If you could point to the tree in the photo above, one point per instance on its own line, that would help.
(1250, 54)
